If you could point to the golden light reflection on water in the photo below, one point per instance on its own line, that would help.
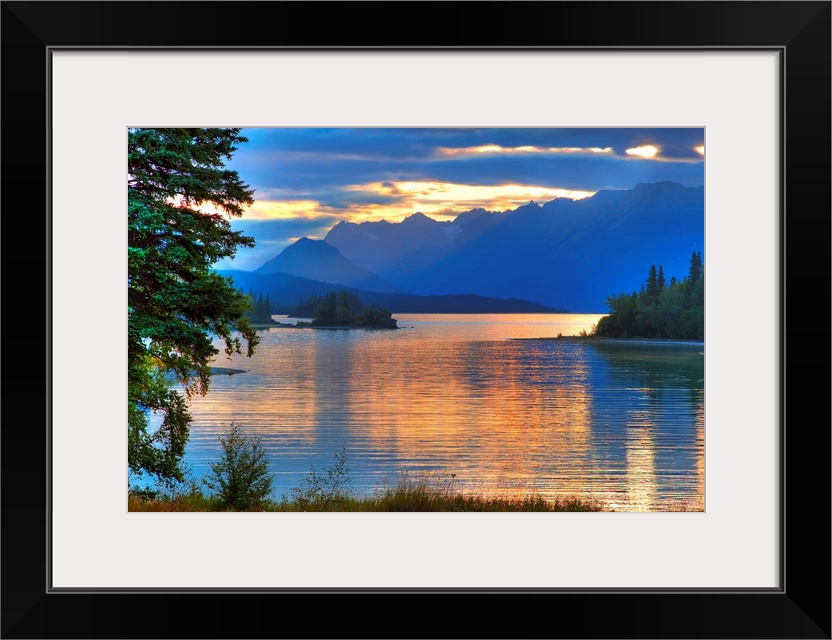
(641, 464)
(456, 398)
(496, 427)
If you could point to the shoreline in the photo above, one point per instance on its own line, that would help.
(651, 342)
(286, 325)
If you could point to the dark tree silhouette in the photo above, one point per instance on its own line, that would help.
(658, 311)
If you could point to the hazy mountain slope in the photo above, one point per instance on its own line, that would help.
(286, 291)
(396, 250)
(317, 260)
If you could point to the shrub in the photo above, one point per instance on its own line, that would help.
(241, 479)
(319, 490)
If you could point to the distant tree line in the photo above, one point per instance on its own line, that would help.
(661, 309)
(260, 308)
(343, 308)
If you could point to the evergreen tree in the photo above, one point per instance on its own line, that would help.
(652, 286)
(694, 276)
(260, 308)
(176, 304)
(695, 268)
(678, 311)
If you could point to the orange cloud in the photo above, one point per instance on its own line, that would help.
(447, 199)
(442, 200)
(281, 209)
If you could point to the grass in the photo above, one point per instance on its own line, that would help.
(327, 490)
(408, 495)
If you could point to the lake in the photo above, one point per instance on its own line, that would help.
(482, 402)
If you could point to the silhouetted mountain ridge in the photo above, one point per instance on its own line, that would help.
(563, 253)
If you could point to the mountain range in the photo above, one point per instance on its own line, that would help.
(566, 254)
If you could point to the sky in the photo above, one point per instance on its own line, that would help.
(307, 180)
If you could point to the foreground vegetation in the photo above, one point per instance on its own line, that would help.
(414, 496)
(180, 200)
(241, 481)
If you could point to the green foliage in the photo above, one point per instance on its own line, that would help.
(652, 286)
(318, 491)
(660, 310)
(241, 478)
(179, 198)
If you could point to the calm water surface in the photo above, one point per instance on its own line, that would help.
(463, 398)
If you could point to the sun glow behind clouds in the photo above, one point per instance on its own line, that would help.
(282, 209)
(700, 149)
(442, 200)
(646, 151)
(447, 199)
(497, 149)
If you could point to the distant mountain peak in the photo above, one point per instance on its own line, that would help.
(307, 245)
(319, 260)
(665, 185)
(468, 216)
(417, 217)
(530, 206)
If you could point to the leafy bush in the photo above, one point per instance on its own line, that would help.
(241, 479)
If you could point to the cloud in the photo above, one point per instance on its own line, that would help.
(317, 176)
(285, 146)
(324, 179)
(645, 151)
(276, 209)
(440, 198)
(497, 149)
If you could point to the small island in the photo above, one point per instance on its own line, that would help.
(342, 310)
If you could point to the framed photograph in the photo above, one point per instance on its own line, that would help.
(435, 340)
(703, 544)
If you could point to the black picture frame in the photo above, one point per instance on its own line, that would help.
(799, 608)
